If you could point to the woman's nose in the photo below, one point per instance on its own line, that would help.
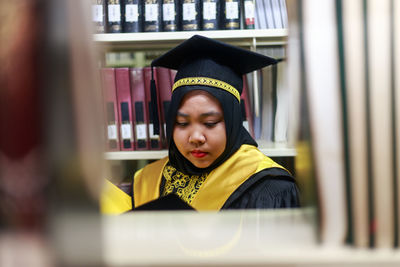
(197, 137)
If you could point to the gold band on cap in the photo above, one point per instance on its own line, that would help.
(208, 82)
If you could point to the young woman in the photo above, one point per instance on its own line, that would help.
(213, 163)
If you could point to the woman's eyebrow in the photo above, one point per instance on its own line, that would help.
(206, 114)
(181, 114)
(211, 113)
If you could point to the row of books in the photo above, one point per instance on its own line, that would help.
(347, 70)
(128, 110)
(117, 16)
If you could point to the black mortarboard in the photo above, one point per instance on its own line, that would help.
(201, 61)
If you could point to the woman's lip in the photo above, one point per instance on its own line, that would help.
(198, 154)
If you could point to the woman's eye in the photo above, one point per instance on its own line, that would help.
(181, 124)
(210, 124)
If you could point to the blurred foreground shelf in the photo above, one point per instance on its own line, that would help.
(230, 238)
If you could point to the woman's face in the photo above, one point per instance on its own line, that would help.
(199, 130)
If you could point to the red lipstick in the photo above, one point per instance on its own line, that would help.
(198, 153)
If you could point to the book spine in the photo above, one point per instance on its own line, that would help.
(110, 109)
(211, 14)
(114, 21)
(155, 139)
(152, 15)
(170, 15)
(249, 14)
(231, 14)
(191, 14)
(131, 16)
(99, 15)
(125, 108)
(164, 91)
(139, 113)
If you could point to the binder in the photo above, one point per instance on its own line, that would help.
(249, 14)
(139, 113)
(155, 141)
(211, 14)
(132, 16)
(164, 91)
(124, 101)
(152, 15)
(99, 15)
(170, 15)
(114, 19)
(231, 14)
(191, 15)
(110, 109)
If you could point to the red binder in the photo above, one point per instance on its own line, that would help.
(155, 139)
(246, 109)
(139, 107)
(110, 109)
(164, 87)
(124, 100)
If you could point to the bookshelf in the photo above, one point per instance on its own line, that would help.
(143, 41)
(157, 40)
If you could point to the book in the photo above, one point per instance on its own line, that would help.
(99, 16)
(155, 139)
(284, 15)
(380, 124)
(124, 100)
(353, 73)
(139, 106)
(277, 15)
(320, 51)
(114, 18)
(396, 97)
(191, 15)
(281, 122)
(261, 14)
(211, 14)
(249, 14)
(110, 109)
(164, 87)
(267, 91)
(132, 16)
(152, 15)
(170, 15)
(231, 14)
(269, 15)
(246, 109)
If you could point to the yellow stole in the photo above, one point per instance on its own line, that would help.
(216, 189)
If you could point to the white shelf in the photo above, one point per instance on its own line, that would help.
(272, 151)
(150, 40)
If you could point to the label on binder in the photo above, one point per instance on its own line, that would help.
(132, 13)
(151, 132)
(209, 10)
(112, 132)
(126, 131)
(168, 12)
(189, 11)
(141, 131)
(232, 10)
(114, 13)
(151, 12)
(97, 13)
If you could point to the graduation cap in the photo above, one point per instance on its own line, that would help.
(201, 61)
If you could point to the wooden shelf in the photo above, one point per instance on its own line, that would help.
(271, 151)
(157, 40)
